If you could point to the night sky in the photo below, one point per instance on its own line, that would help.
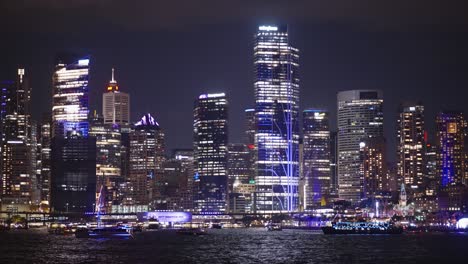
(167, 53)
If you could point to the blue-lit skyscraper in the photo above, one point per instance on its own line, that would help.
(210, 130)
(70, 97)
(451, 129)
(276, 85)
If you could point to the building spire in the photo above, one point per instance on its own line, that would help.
(113, 80)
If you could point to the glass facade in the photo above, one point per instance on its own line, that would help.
(210, 127)
(451, 129)
(316, 157)
(276, 84)
(108, 161)
(73, 181)
(17, 164)
(70, 102)
(410, 145)
(360, 117)
(146, 158)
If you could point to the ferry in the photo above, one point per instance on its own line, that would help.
(274, 227)
(369, 228)
(191, 231)
(104, 232)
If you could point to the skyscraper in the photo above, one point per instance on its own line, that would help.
(45, 140)
(73, 168)
(333, 163)
(360, 116)
(451, 129)
(115, 104)
(316, 157)
(146, 159)
(410, 145)
(276, 85)
(374, 167)
(70, 100)
(73, 153)
(17, 169)
(108, 161)
(210, 127)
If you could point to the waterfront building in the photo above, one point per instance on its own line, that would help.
(239, 172)
(17, 156)
(210, 128)
(450, 136)
(374, 170)
(276, 86)
(70, 98)
(186, 159)
(108, 161)
(146, 158)
(172, 187)
(316, 157)
(73, 173)
(431, 173)
(45, 141)
(360, 117)
(115, 104)
(334, 164)
(410, 146)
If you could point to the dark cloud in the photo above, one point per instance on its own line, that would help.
(57, 15)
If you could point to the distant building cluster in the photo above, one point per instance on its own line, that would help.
(73, 160)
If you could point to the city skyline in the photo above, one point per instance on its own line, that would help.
(327, 67)
(233, 131)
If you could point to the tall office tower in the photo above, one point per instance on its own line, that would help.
(250, 127)
(239, 175)
(73, 169)
(250, 130)
(172, 187)
(108, 161)
(73, 153)
(210, 127)
(276, 85)
(115, 104)
(431, 179)
(360, 117)
(185, 157)
(410, 145)
(146, 159)
(316, 157)
(17, 169)
(36, 163)
(238, 165)
(333, 163)
(450, 138)
(45, 140)
(374, 167)
(70, 101)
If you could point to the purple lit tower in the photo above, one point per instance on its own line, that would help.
(146, 160)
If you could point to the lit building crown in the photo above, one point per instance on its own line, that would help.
(112, 87)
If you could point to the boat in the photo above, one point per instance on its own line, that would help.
(191, 231)
(216, 226)
(274, 227)
(369, 228)
(104, 232)
(60, 229)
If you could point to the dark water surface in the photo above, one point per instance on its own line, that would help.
(235, 246)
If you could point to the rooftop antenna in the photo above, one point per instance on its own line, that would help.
(113, 80)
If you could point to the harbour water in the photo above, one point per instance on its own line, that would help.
(254, 245)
